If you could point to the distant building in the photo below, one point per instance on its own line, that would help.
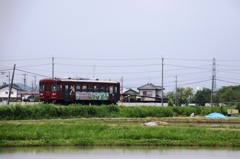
(4, 93)
(150, 92)
(16, 94)
(128, 95)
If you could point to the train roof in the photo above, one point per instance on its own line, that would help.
(94, 80)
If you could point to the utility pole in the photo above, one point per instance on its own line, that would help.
(214, 87)
(24, 81)
(176, 94)
(52, 67)
(32, 86)
(10, 87)
(35, 84)
(162, 81)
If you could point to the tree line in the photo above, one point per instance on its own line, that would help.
(225, 95)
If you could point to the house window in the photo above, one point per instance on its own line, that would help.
(147, 93)
(6, 92)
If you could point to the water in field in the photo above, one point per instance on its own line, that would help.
(117, 153)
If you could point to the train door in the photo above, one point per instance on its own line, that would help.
(111, 94)
(48, 91)
(115, 94)
(66, 92)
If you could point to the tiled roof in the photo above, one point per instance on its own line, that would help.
(17, 88)
(129, 91)
(149, 86)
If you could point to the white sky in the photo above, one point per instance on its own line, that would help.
(125, 38)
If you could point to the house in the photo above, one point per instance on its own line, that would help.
(128, 95)
(4, 93)
(150, 92)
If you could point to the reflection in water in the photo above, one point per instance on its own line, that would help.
(117, 153)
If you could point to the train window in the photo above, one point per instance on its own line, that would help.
(101, 88)
(84, 88)
(106, 89)
(90, 88)
(78, 87)
(41, 88)
(59, 86)
(115, 89)
(111, 89)
(54, 86)
(96, 88)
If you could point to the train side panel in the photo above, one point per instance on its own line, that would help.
(77, 91)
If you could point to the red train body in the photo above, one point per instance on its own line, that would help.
(78, 90)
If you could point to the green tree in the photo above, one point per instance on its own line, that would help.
(170, 95)
(184, 95)
(229, 95)
(202, 96)
(170, 102)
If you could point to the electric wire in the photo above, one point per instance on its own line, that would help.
(101, 59)
(109, 65)
(32, 73)
(34, 65)
(228, 81)
(25, 59)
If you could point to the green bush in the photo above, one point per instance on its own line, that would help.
(49, 111)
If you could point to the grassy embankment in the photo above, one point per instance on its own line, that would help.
(111, 126)
(50, 111)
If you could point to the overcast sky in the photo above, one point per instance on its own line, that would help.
(109, 39)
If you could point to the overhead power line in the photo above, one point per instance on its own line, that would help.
(228, 66)
(103, 59)
(6, 70)
(180, 59)
(35, 65)
(196, 82)
(197, 67)
(185, 74)
(40, 58)
(228, 81)
(109, 65)
(32, 73)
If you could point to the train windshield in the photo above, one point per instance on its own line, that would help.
(41, 88)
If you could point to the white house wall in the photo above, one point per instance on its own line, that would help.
(6, 89)
(154, 92)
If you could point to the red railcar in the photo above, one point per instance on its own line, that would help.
(78, 90)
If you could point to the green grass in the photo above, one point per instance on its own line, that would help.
(113, 132)
(112, 125)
